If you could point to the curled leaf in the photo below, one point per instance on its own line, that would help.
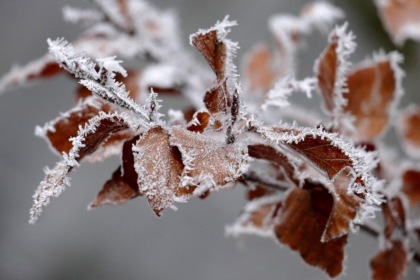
(374, 89)
(159, 167)
(209, 164)
(301, 224)
(331, 69)
(390, 263)
(115, 192)
(258, 217)
(59, 131)
(87, 141)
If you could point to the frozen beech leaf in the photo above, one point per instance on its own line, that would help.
(88, 139)
(400, 19)
(217, 99)
(411, 186)
(43, 67)
(344, 210)
(408, 127)
(209, 164)
(259, 72)
(111, 146)
(269, 153)
(301, 224)
(59, 131)
(258, 217)
(374, 88)
(123, 184)
(410, 196)
(159, 167)
(199, 122)
(213, 50)
(331, 70)
(218, 52)
(329, 154)
(390, 263)
(324, 154)
(115, 192)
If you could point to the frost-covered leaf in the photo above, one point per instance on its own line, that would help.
(216, 49)
(346, 207)
(331, 69)
(200, 121)
(266, 152)
(159, 167)
(43, 67)
(59, 131)
(301, 224)
(408, 128)
(116, 191)
(258, 217)
(400, 18)
(88, 139)
(374, 90)
(334, 159)
(219, 53)
(96, 75)
(390, 263)
(209, 164)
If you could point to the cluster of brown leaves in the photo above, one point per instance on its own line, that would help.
(320, 186)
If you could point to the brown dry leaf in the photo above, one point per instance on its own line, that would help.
(258, 217)
(409, 131)
(59, 131)
(213, 47)
(200, 121)
(373, 89)
(260, 151)
(344, 210)
(213, 50)
(159, 167)
(116, 191)
(123, 184)
(324, 154)
(302, 222)
(44, 67)
(411, 186)
(327, 73)
(217, 99)
(391, 263)
(106, 127)
(208, 162)
(400, 18)
(259, 71)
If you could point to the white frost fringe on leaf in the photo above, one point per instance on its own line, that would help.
(283, 90)
(102, 81)
(20, 75)
(223, 29)
(362, 163)
(243, 225)
(56, 180)
(345, 47)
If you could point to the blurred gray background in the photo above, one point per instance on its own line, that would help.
(129, 242)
